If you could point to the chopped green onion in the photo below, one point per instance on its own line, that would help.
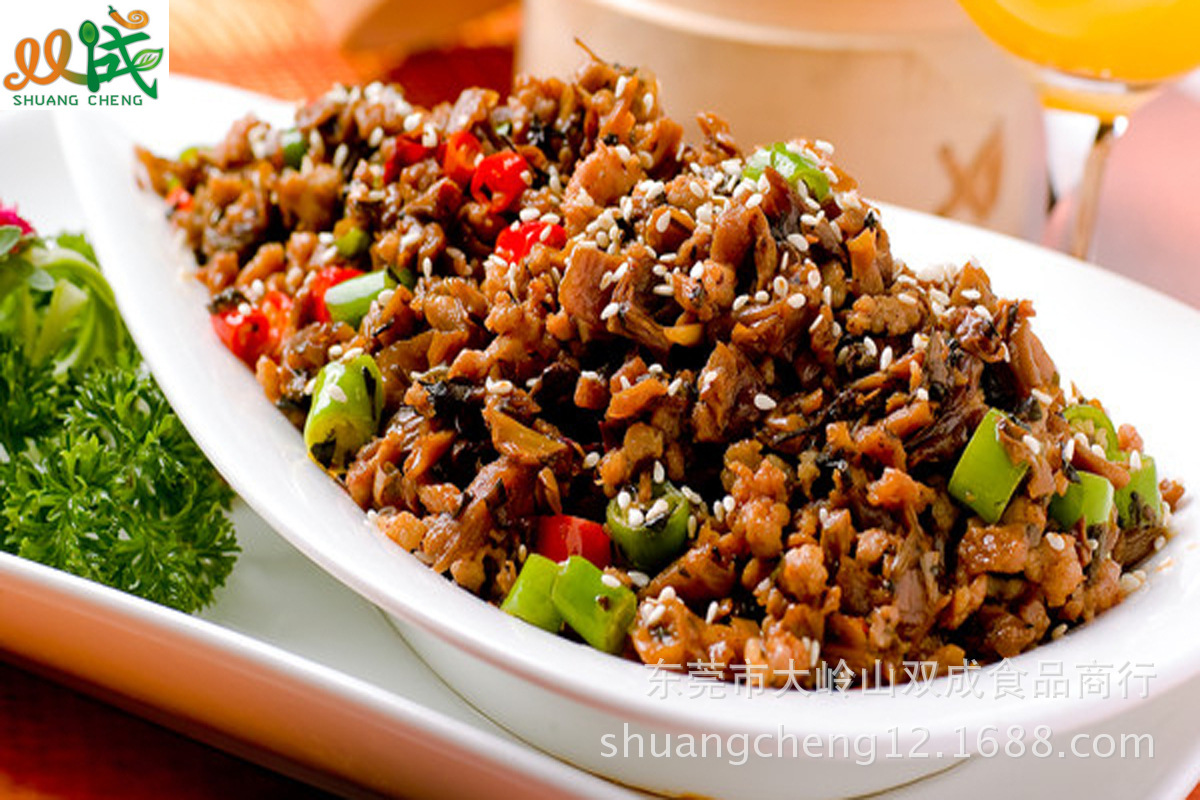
(985, 477)
(1091, 498)
(294, 147)
(352, 243)
(792, 167)
(599, 612)
(650, 543)
(1139, 502)
(350, 300)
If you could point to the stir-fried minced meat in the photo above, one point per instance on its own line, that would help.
(621, 310)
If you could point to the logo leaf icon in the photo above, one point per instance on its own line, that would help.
(147, 59)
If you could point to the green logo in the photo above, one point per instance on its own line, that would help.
(113, 60)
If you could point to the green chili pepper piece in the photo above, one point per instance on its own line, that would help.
(190, 155)
(294, 147)
(529, 597)
(346, 406)
(349, 301)
(791, 166)
(985, 478)
(403, 276)
(599, 613)
(1096, 425)
(651, 543)
(1091, 498)
(352, 243)
(1139, 502)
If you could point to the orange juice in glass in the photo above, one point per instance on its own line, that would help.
(1097, 57)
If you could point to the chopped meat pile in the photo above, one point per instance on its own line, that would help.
(576, 308)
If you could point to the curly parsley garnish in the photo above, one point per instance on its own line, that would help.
(98, 476)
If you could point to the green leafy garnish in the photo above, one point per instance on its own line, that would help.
(98, 476)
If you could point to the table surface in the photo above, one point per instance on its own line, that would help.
(58, 743)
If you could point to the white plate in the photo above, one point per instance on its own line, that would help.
(1123, 343)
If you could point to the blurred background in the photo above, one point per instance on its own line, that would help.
(875, 77)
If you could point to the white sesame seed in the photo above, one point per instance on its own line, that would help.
(798, 241)
(763, 402)
(622, 82)
(663, 222)
(754, 200)
(761, 296)
(740, 302)
(691, 495)
(658, 509)
(691, 526)
(1032, 443)
(971, 294)
(885, 358)
(335, 351)
(870, 346)
(827, 296)
(635, 517)
(674, 387)
(814, 279)
(908, 299)
(591, 460)
(797, 300)
(729, 503)
(922, 394)
(1129, 583)
(1068, 451)
(623, 500)
(810, 220)
(658, 611)
(611, 581)
(940, 297)
(609, 311)
(624, 381)
(1055, 541)
(1159, 543)
(412, 121)
(664, 289)
(639, 579)
(528, 214)
(1059, 631)
(660, 473)
(1135, 460)
(1042, 397)
(1098, 450)
(713, 608)
(816, 323)
(667, 594)
(780, 285)
(337, 394)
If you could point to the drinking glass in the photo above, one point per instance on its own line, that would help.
(1103, 58)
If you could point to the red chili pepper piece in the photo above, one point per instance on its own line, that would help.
(278, 308)
(179, 199)
(409, 151)
(562, 536)
(513, 244)
(462, 151)
(321, 282)
(246, 334)
(500, 179)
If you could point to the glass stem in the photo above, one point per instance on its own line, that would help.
(1087, 201)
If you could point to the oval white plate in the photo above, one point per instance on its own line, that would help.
(1119, 341)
